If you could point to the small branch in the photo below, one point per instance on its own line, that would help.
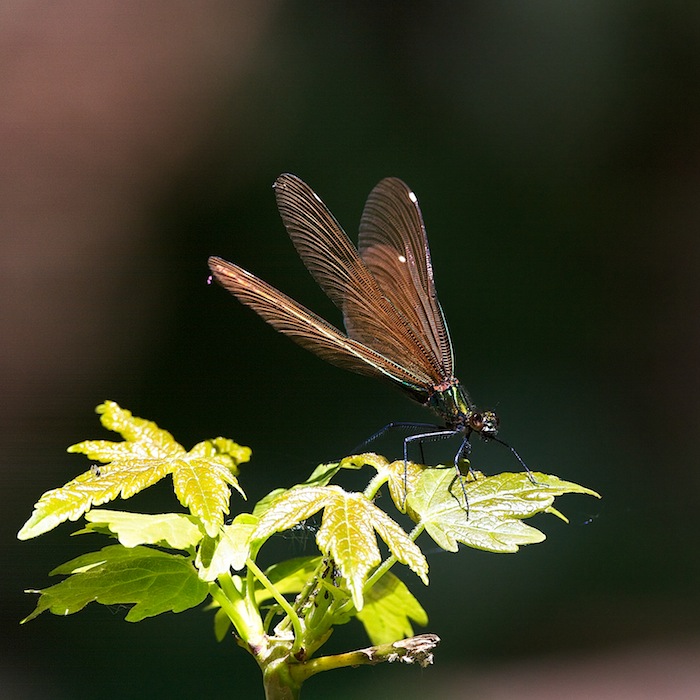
(413, 650)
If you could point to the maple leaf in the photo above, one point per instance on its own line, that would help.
(153, 581)
(400, 476)
(348, 531)
(229, 551)
(201, 477)
(389, 609)
(496, 506)
(174, 530)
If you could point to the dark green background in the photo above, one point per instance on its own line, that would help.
(555, 150)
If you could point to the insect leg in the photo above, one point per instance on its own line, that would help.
(393, 426)
(435, 434)
(530, 475)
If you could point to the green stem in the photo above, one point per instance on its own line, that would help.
(305, 592)
(284, 604)
(377, 481)
(412, 650)
(246, 622)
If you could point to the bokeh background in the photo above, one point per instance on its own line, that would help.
(555, 149)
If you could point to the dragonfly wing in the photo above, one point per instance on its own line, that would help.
(394, 246)
(370, 315)
(311, 331)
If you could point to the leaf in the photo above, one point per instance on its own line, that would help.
(230, 453)
(401, 476)
(347, 531)
(496, 507)
(202, 485)
(222, 624)
(389, 609)
(93, 488)
(143, 438)
(153, 581)
(319, 477)
(175, 530)
(202, 476)
(229, 551)
(322, 474)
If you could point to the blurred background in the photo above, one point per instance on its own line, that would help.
(555, 150)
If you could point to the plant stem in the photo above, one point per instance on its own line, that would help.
(296, 623)
(412, 650)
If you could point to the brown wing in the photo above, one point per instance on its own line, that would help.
(394, 246)
(369, 314)
(311, 331)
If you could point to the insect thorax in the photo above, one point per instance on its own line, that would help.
(452, 403)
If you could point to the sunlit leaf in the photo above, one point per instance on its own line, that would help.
(203, 486)
(143, 439)
(347, 534)
(399, 475)
(322, 474)
(496, 507)
(222, 624)
(152, 581)
(92, 488)
(202, 476)
(389, 609)
(347, 531)
(175, 530)
(229, 551)
(229, 453)
(319, 477)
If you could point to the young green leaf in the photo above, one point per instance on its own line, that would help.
(401, 476)
(320, 476)
(229, 551)
(389, 609)
(347, 531)
(222, 624)
(153, 581)
(229, 452)
(497, 505)
(201, 476)
(175, 530)
(202, 485)
(93, 488)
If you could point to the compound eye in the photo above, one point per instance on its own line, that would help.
(477, 421)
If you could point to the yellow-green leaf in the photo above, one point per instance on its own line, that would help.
(496, 507)
(175, 530)
(148, 453)
(389, 609)
(223, 451)
(401, 476)
(143, 439)
(202, 485)
(229, 551)
(347, 534)
(93, 488)
(347, 531)
(153, 581)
